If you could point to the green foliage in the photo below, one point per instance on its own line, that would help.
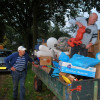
(29, 18)
(2, 31)
(12, 39)
(29, 15)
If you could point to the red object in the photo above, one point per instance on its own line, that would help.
(76, 79)
(78, 88)
(48, 60)
(44, 66)
(77, 40)
(33, 63)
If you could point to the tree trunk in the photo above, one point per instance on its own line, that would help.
(28, 38)
(34, 26)
(35, 33)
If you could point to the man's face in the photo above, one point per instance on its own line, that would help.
(92, 19)
(21, 52)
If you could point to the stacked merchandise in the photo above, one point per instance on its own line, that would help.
(58, 63)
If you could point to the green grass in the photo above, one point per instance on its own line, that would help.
(6, 87)
(31, 94)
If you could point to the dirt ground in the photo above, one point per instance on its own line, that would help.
(3, 77)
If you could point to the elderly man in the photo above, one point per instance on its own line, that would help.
(89, 37)
(17, 62)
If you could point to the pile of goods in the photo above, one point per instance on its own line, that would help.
(54, 57)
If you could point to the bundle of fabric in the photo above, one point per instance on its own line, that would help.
(82, 61)
(62, 44)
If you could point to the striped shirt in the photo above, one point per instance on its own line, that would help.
(20, 63)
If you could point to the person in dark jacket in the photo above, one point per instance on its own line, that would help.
(17, 62)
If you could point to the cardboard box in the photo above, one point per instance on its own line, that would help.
(69, 68)
(69, 76)
(45, 60)
(1, 47)
(97, 75)
(97, 47)
(91, 49)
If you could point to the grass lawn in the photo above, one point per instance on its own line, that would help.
(30, 92)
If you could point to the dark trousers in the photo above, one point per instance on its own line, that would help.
(76, 49)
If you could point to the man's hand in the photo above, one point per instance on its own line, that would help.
(33, 63)
(79, 24)
(13, 68)
(89, 45)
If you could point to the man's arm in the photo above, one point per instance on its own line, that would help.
(79, 24)
(77, 21)
(95, 35)
(89, 45)
(7, 61)
(93, 40)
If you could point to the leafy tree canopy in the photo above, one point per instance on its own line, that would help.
(28, 17)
